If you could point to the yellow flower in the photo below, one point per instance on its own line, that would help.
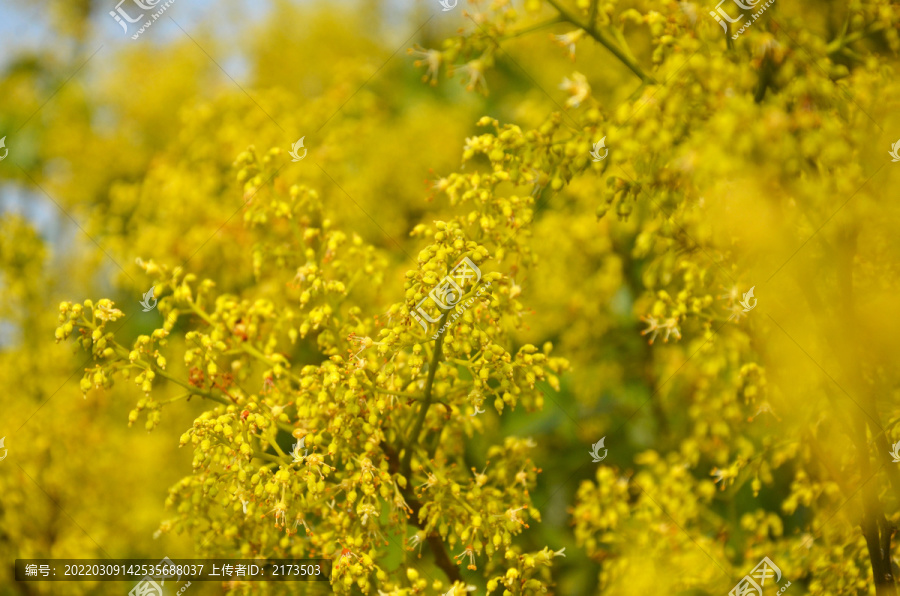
(416, 540)
(670, 326)
(568, 41)
(106, 312)
(467, 552)
(430, 58)
(578, 89)
(475, 71)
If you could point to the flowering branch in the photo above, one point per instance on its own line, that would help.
(429, 384)
(441, 558)
(603, 40)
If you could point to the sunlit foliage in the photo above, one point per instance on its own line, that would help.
(328, 422)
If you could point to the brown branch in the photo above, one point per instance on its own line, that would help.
(874, 526)
(875, 529)
(878, 540)
(441, 558)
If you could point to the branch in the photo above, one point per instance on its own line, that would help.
(592, 15)
(429, 385)
(531, 29)
(836, 45)
(872, 525)
(441, 559)
(269, 457)
(603, 40)
(207, 394)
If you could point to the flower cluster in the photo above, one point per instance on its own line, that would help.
(362, 442)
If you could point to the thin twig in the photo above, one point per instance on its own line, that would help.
(532, 28)
(603, 40)
(429, 386)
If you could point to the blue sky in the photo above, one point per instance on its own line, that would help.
(25, 27)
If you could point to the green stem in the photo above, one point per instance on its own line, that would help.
(269, 457)
(429, 386)
(839, 43)
(174, 399)
(532, 28)
(275, 446)
(603, 40)
(123, 353)
(201, 313)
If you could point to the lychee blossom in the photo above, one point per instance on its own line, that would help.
(577, 88)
